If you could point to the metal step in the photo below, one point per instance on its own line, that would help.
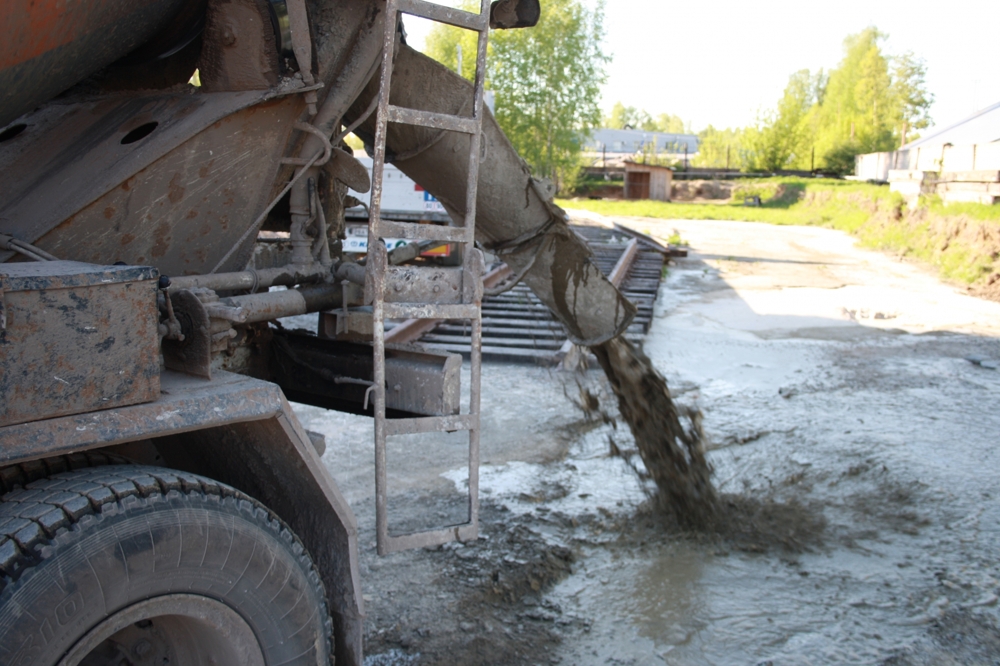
(441, 121)
(456, 17)
(419, 232)
(428, 311)
(423, 285)
(394, 427)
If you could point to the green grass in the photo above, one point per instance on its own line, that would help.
(961, 240)
(832, 203)
(973, 210)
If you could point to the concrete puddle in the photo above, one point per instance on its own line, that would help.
(877, 427)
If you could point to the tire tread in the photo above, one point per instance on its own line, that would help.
(32, 515)
(23, 474)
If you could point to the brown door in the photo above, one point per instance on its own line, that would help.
(638, 186)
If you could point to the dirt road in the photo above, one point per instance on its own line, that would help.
(836, 391)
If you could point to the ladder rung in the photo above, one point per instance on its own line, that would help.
(429, 311)
(466, 532)
(430, 424)
(442, 121)
(419, 232)
(435, 12)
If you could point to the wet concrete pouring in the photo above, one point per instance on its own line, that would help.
(853, 446)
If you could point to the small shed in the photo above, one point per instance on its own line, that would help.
(647, 181)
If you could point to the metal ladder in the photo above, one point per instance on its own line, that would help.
(381, 273)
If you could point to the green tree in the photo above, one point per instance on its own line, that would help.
(622, 116)
(627, 117)
(444, 42)
(547, 81)
(668, 124)
(912, 98)
(780, 138)
(870, 102)
(719, 149)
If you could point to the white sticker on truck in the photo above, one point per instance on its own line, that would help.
(432, 205)
(357, 240)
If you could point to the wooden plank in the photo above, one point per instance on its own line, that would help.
(410, 330)
(496, 342)
(533, 333)
(516, 299)
(513, 353)
(649, 241)
(621, 268)
(498, 275)
(541, 333)
(512, 321)
(492, 308)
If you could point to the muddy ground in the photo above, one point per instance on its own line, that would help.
(855, 441)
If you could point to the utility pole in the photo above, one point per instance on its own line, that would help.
(459, 47)
(728, 148)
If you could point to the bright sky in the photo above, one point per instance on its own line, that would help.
(718, 63)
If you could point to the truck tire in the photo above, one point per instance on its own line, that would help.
(136, 565)
(21, 474)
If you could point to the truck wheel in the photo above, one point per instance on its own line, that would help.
(21, 474)
(131, 565)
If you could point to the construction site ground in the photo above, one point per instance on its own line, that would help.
(842, 409)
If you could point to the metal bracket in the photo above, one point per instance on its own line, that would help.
(298, 23)
(507, 14)
(193, 355)
(472, 279)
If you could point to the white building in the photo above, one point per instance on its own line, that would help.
(617, 144)
(960, 162)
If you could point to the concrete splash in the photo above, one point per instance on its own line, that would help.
(674, 456)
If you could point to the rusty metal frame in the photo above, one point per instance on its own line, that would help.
(377, 267)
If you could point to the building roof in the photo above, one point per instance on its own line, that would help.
(629, 141)
(981, 127)
(651, 167)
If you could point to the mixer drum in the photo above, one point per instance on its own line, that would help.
(48, 46)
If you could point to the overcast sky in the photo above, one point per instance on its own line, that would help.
(719, 62)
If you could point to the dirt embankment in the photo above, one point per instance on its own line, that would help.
(701, 190)
(966, 249)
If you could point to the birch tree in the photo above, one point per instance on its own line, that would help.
(547, 82)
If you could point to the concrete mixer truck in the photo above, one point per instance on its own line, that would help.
(161, 503)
